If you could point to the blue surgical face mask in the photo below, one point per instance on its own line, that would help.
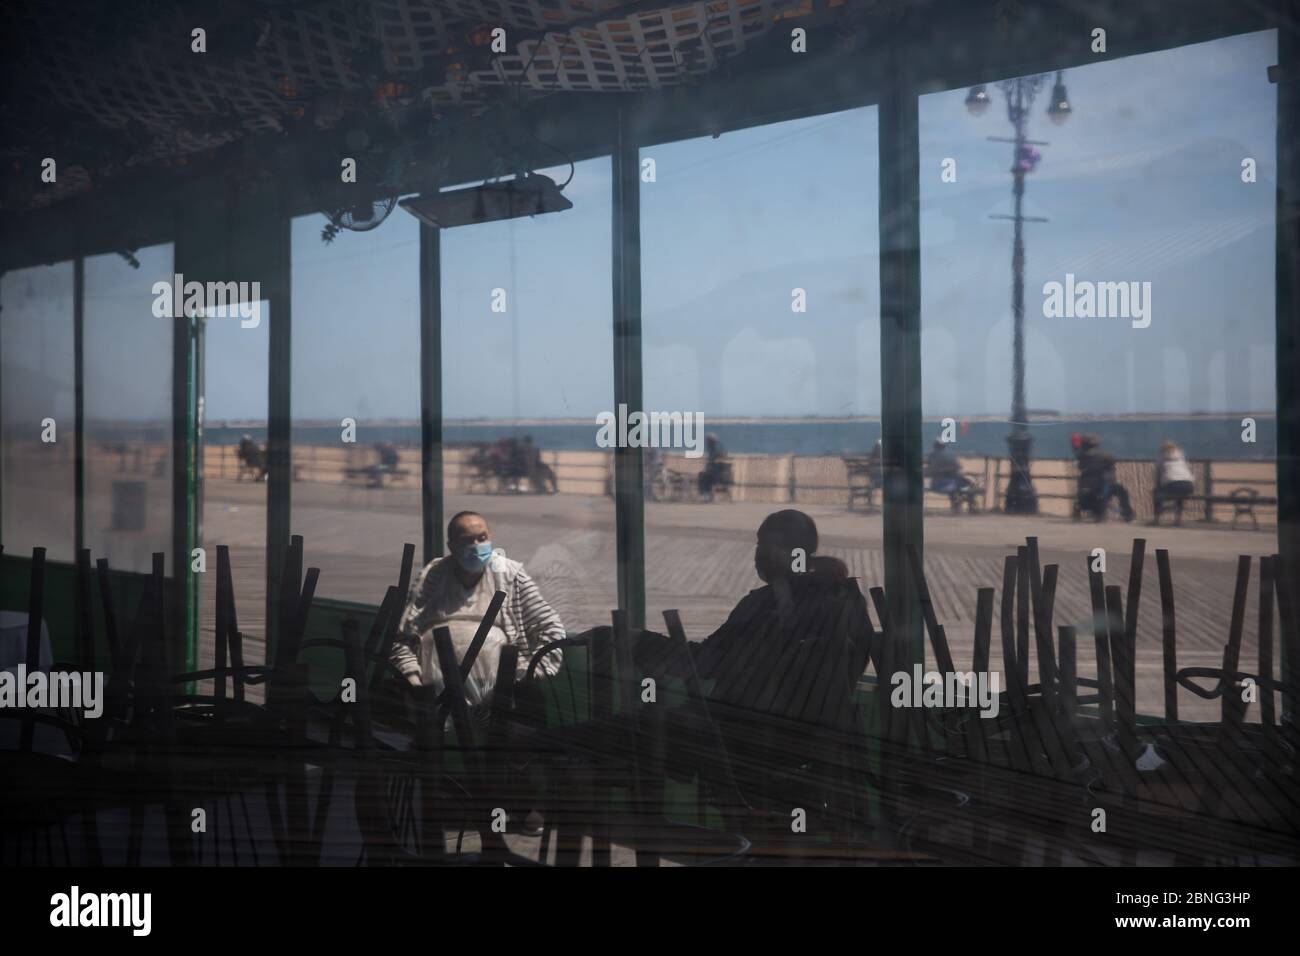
(474, 557)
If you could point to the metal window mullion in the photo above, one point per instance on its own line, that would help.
(182, 610)
(1287, 304)
(900, 349)
(79, 405)
(629, 502)
(2, 427)
(279, 433)
(431, 479)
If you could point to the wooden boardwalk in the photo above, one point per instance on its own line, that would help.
(699, 560)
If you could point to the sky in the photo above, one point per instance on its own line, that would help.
(1143, 183)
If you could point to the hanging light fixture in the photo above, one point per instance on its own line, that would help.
(529, 195)
(977, 100)
(1059, 109)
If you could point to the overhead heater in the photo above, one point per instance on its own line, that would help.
(529, 195)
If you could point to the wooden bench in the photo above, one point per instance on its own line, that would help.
(972, 494)
(374, 474)
(1244, 501)
(672, 484)
(864, 478)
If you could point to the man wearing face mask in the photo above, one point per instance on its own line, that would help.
(454, 592)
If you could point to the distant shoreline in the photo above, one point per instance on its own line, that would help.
(1203, 436)
(1035, 418)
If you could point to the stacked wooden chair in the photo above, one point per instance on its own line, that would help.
(1065, 746)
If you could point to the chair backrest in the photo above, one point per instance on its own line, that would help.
(567, 698)
(570, 692)
(799, 657)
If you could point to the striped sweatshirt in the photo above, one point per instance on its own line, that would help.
(525, 617)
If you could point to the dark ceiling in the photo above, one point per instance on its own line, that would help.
(111, 89)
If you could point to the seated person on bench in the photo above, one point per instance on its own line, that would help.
(945, 473)
(1173, 482)
(1097, 481)
(454, 592)
(541, 477)
(716, 470)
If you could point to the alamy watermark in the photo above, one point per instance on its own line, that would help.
(955, 689)
(57, 689)
(652, 430)
(78, 909)
(178, 297)
(1098, 300)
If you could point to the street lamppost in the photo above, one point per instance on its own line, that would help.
(1020, 92)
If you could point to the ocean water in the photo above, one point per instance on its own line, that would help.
(1200, 438)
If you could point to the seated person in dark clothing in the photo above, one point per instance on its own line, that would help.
(717, 471)
(1097, 482)
(388, 459)
(946, 476)
(945, 471)
(784, 667)
(541, 477)
(805, 597)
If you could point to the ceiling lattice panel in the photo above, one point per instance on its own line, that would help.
(116, 85)
(653, 49)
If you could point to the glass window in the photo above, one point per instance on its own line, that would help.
(527, 342)
(761, 315)
(1148, 334)
(128, 410)
(235, 365)
(356, 402)
(38, 407)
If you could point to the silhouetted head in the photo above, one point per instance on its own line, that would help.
(779, 534)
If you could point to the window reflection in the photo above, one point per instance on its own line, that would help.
(760, 302)
(1146, 211)
(128, 410)
(356, 402)
(527, 343)
(36, 349)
